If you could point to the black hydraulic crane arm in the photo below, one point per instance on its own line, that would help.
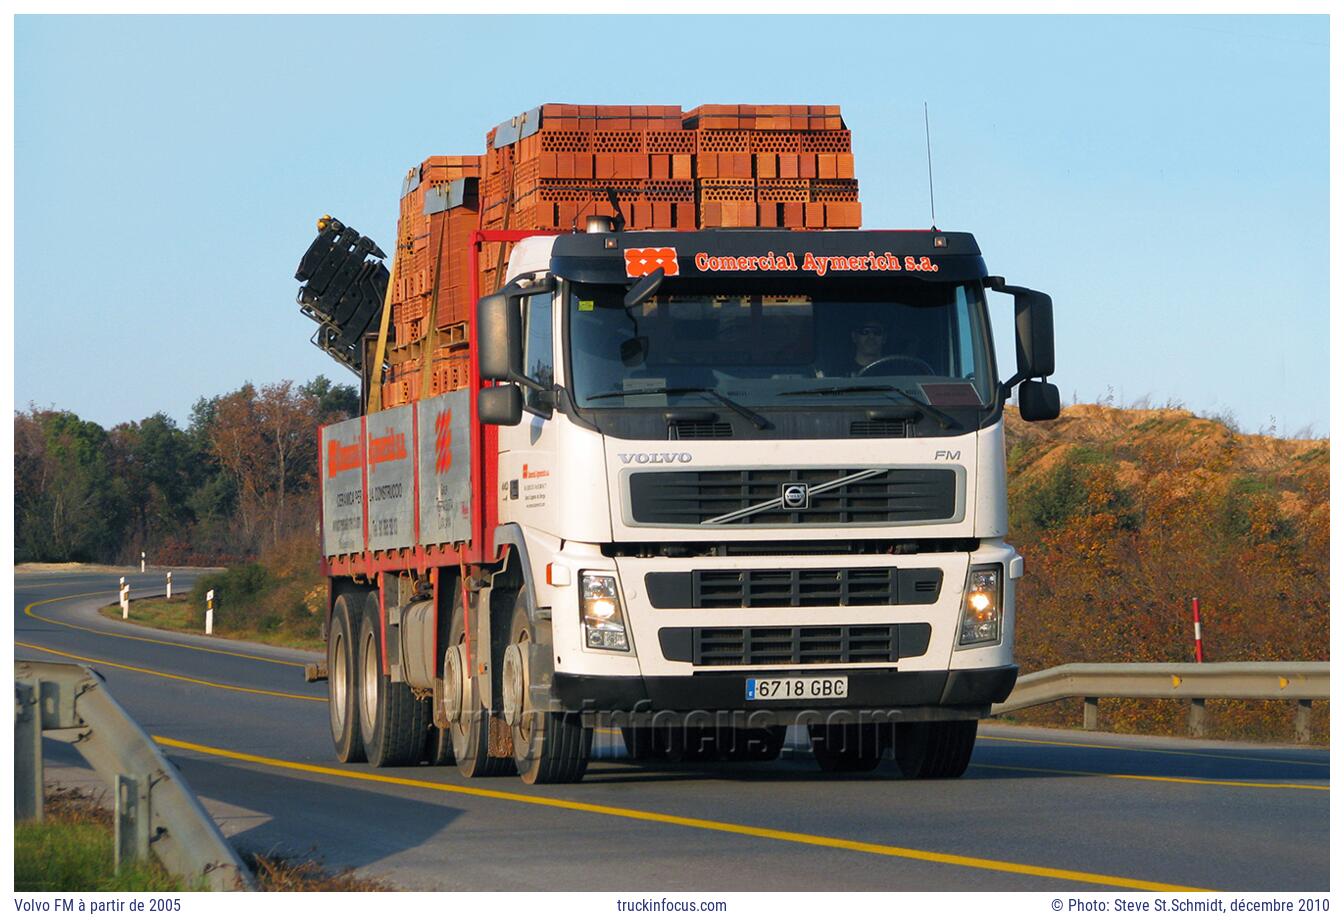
(344, 288)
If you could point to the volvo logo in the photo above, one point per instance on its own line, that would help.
(795, 496)
(655, 458)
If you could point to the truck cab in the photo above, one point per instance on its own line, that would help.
(753, 480)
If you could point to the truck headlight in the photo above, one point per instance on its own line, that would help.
(603, 617)
(982, 611)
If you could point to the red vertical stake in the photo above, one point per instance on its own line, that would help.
(1199, 640)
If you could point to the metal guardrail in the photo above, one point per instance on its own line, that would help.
(1299, 681)
(156, 812)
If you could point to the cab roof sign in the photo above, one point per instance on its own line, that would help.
(856, 255)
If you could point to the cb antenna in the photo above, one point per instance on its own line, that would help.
(928, 147)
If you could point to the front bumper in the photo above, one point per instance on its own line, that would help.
(882, 695)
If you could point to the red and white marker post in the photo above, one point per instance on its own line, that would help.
(1199, 640)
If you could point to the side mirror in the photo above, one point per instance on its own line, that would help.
(500, 405)
(645, 287)
(500, 325)
(1035, 314)
(1038, 401)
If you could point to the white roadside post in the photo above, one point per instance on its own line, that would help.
(142, 562)
(121, 598)
(170, 586)
(210, 612)
(125, 601)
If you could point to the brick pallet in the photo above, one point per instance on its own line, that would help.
(788, 166)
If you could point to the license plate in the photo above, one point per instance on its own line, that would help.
(797, 688)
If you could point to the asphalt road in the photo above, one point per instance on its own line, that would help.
(1037, 810)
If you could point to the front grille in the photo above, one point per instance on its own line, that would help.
(737, 588)
(882, 496)
(746, 646)
(698, 431)
(881, 428)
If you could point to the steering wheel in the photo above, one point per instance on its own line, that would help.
(921, 367)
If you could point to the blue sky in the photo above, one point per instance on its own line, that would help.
(1164, 178)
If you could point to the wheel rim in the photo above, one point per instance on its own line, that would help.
(369, 692)
(514, 680)
(453, 682)
(337, 681)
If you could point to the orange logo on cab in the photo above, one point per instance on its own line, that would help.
(639, 262)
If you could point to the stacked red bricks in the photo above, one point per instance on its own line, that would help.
(774, 166)
(788, 166)
(431, 289)
(714, 166)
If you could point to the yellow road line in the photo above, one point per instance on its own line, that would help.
(45, 584)
(28, 611)
(1154, 779)
(1146, 750)
(166, 675)
(834, 843)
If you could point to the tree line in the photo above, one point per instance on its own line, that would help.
(239, 478)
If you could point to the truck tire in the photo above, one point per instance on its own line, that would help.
(847, 747)
(934, 750)
(343, 682)
(548, 747)
(470, 728)
(392, 721)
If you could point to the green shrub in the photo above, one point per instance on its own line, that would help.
(239, 588)
(1063, 494)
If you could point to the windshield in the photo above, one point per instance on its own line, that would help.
(927, 340)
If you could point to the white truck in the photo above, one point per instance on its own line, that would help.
(725, 482)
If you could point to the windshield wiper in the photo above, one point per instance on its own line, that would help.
(944, 420)
(756, 419)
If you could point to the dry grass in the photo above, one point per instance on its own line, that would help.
(278, 873)
(180, 615)
(72, 850)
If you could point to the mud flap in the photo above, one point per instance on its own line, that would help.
(501, 738)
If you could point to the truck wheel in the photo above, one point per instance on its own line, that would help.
(934, 750)
(548, 747)
(846, 748)
(470, 723)
(343, 683)
(391, 720)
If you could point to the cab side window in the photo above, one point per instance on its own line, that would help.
(538, 354)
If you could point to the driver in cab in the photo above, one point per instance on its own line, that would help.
(870, 342)
(872, 357)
